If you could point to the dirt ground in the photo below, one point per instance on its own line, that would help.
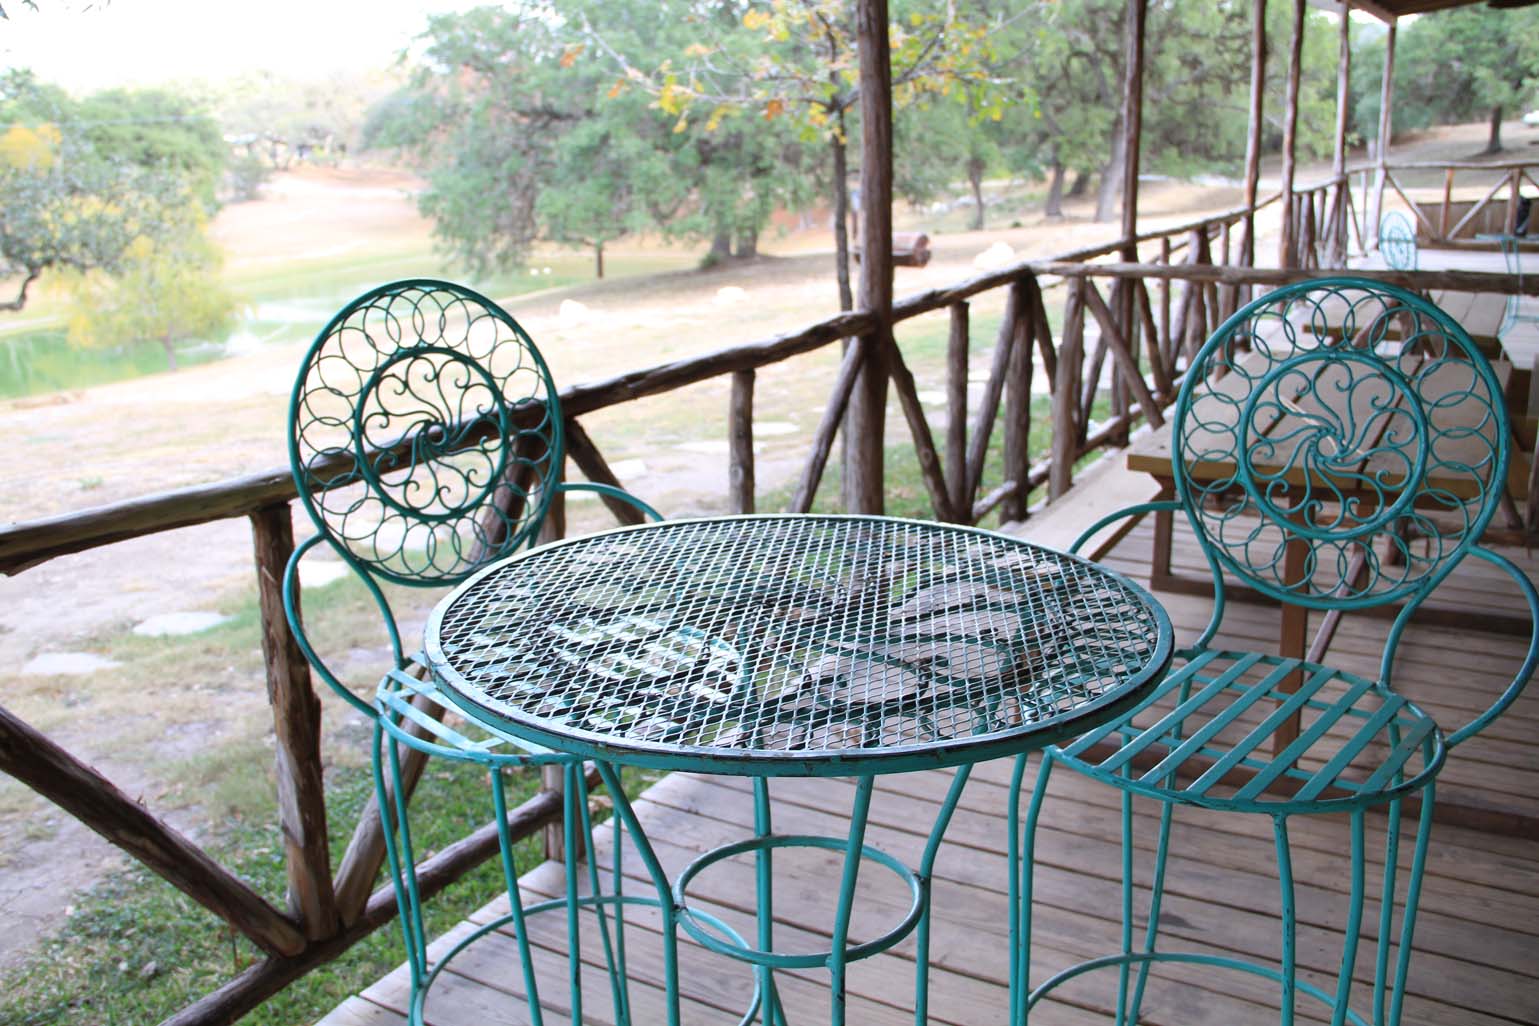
(206, 423)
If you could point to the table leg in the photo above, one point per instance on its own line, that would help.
(926, 875)
(654, 868)
(771, 1013)
(838, 956)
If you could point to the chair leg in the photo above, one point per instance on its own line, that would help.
(1125, 969)
(1386, 910)
(515, 898)
(1354, 924)
(1156, 898)
(1412, 899)
(1289, 920)
(1021, 854)
(400, 858)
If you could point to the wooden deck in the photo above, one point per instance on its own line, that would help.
(1477, 957)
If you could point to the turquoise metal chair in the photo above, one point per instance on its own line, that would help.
(1397, 242)
(1315, 460)
(426, 440)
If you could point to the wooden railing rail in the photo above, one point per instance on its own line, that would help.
(1137, 322)
(1443, 223)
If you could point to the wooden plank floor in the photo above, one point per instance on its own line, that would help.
(1477, 943)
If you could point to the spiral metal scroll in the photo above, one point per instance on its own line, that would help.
(1351, 420)
(1397, 242)
(425, 430)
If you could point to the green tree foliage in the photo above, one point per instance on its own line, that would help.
(158, 131)
(64, 204)
(168, 291)
(1466, 64)
(798, 60)
(518, 138)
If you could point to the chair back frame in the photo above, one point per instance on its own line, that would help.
(1338, 444)
(425, 433)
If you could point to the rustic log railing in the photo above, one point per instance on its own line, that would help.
(1143, 319)
(1452, 223)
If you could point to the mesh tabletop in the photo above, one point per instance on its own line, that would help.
(796, 644)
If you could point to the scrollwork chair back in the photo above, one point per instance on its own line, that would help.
(1356, 420)
(425, 433)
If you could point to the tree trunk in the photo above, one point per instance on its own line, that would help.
(747, 244)
(975, 179)
(598, 260)
(1494, 143)
(170, 347)
(721, 249)
(1081, 184)
(842, 219)
(1111, 178)
(1053, 208)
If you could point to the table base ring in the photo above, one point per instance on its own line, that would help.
(418, 1009)
(699, 925)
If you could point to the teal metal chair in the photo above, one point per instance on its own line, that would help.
(1397, 242)
(1337, 445)
(426, 440)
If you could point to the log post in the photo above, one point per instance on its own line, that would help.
(1018, 404)
(1123, 301)
(833, 413)
(740, 442)
(297, 731)
(1515, 178)
(1338, 226)
(866, 417)
(1386, 127)
(1442, 228)
(956, 408)
(1288, 248)
(1253, 129)
(988, 410)
(1066, 393)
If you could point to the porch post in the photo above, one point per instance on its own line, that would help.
(1253, 131)
(866, 416)
(1386, 102)
(1288, 255)
(1124, 295)
(1340, 187)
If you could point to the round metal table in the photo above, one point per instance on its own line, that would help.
(809, 645)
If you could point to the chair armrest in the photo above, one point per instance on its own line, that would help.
(1530, 660)
(1127, 511)
(297, 628)
(611, 492)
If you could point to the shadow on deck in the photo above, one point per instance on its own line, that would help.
(1477, 941)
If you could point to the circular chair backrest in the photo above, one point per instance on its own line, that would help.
(1354, 418)
(1397, 242)
(424, 432)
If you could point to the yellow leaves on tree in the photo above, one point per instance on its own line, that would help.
(169, 291)
(29, 146)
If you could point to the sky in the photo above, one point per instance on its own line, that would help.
(85, 46)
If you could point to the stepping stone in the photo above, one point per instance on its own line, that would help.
(58, 663)
(170, 624)
(931, 398)
(774, 427)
